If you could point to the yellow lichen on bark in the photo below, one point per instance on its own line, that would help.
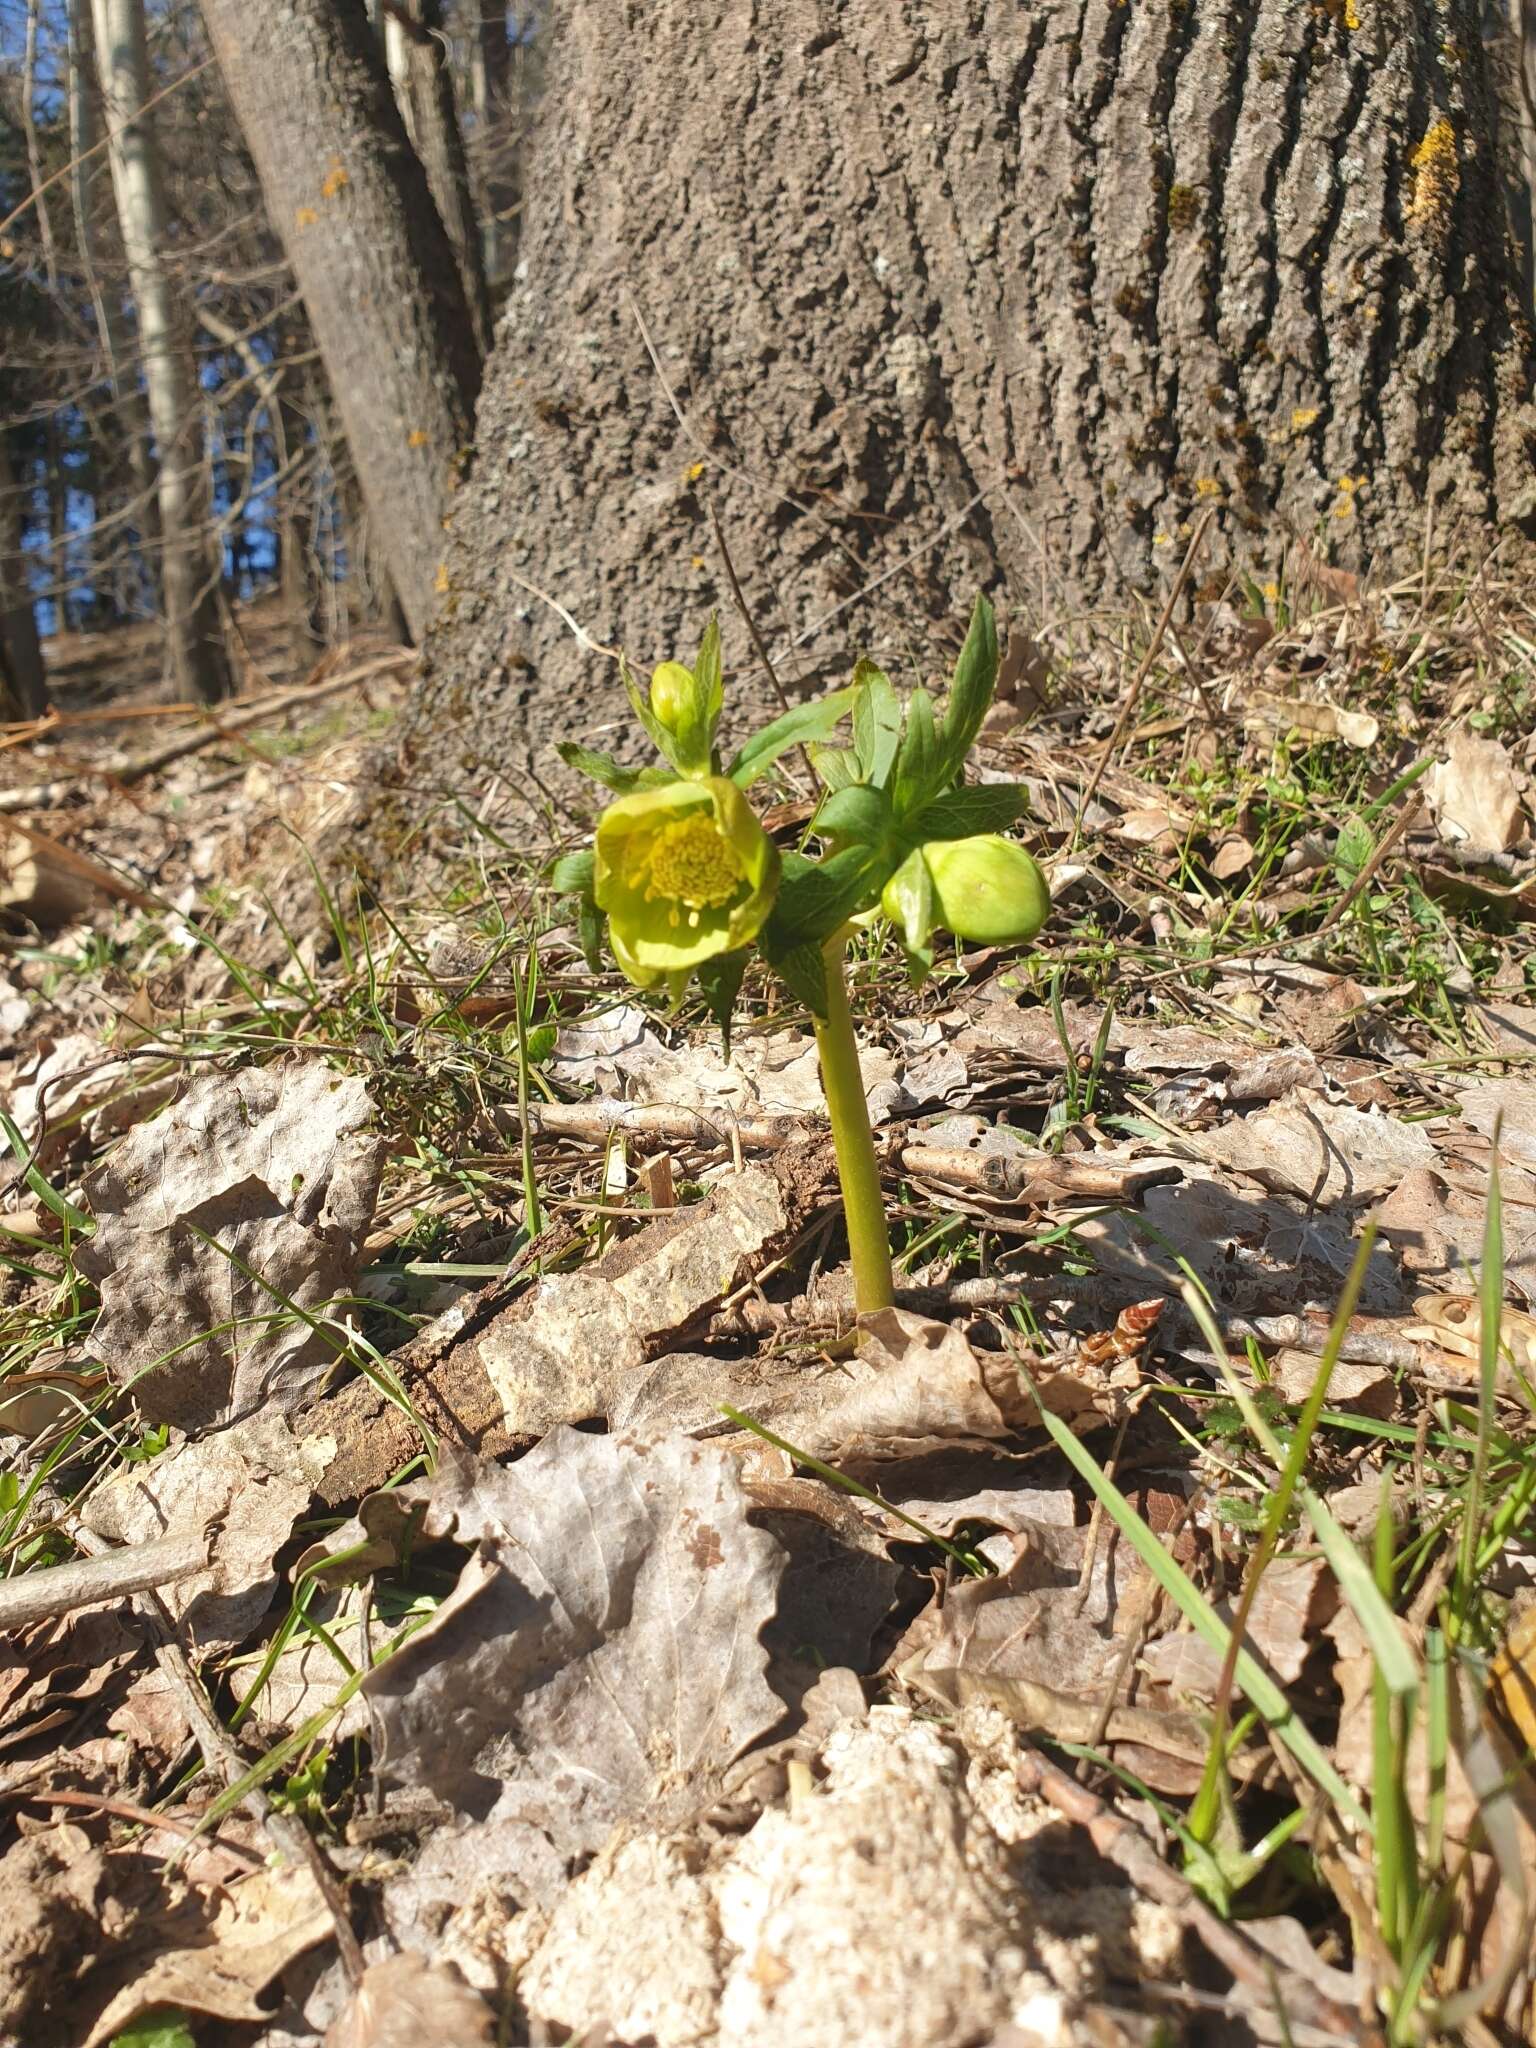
(1436, 177)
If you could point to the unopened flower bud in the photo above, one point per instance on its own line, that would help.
(987, 889)
(671, 693)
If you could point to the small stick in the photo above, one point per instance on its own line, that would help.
(113, 1574)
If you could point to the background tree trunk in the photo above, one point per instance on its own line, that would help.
(132, 414)
(377, 272)
(23, 682)
(423, 82)
(189, 576)
(1016, 295)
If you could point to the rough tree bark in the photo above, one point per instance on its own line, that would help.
(189, 577)
(376, 269)
(1020, 290)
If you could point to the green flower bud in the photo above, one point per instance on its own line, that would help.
(684, 872)
(671, 694)
(986, 889)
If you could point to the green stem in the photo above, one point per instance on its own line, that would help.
(857, 1168)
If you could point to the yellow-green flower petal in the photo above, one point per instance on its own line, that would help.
(684, 872)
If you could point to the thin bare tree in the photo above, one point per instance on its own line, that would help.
(190, 577)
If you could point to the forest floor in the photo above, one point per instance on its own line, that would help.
(1131, 1640)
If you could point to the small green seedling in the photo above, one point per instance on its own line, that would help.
(683, 880)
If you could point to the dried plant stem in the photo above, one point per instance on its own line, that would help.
(858, 1169)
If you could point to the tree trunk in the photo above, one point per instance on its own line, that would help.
(23, 682)
(136, 470)
(1009, 299)
(189, 575)
(418, 68)
(493, 156)
(375, 267)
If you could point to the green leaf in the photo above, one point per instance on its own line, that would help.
(970, 693)
(797, 727)
(1354, 847)
(720, 981)
(803, 972)
(876, 723)
(590, 924)
(707, 679)
(907, 900)
(858, 816)
(916, 780)
(816, 897)
(46, 1193)
(573, 873)
(837, 767)
(966, 813)
(601, 767)
(163, 2026)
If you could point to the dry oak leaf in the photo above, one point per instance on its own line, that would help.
(250, 1485)
(601, 1653)
(255, 1930)
(256, 1190)
(407, 2002)
(1474, 794)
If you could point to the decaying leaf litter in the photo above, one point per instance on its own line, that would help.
(404, 1636)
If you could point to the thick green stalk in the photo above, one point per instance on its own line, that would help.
(857, 1168)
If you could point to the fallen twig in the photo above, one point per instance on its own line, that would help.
(112, 1574)
(41, 796)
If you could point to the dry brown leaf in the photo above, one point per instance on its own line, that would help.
(1270, 715)
(253, 1483)
(278, 1167)
(575, 1348)
(912, 1387)
(1512, 1675)
(1234, 856)
(1027, 1626)
(254, 1930)
(562, 1679)
(1434, 1220)
(1325, 1152)
(1474, 794)
(407, 2002)
(1355, 1386)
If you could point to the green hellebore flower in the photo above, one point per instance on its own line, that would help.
(986, 889)
(684, 872)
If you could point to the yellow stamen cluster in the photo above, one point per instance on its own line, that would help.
(688, 863)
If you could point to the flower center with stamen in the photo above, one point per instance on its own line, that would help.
(691, 862)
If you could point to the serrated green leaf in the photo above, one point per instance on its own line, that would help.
(876, 723)
(590, 924)
(799, 726)
(966, 813)
(838, 767)
(907, 900)
(707, 677)
(601, 767)
(915, 764)
(803, 971)
(573, 874)
(815, 898)
(720, 980)
(971, 690)
(858, 816)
